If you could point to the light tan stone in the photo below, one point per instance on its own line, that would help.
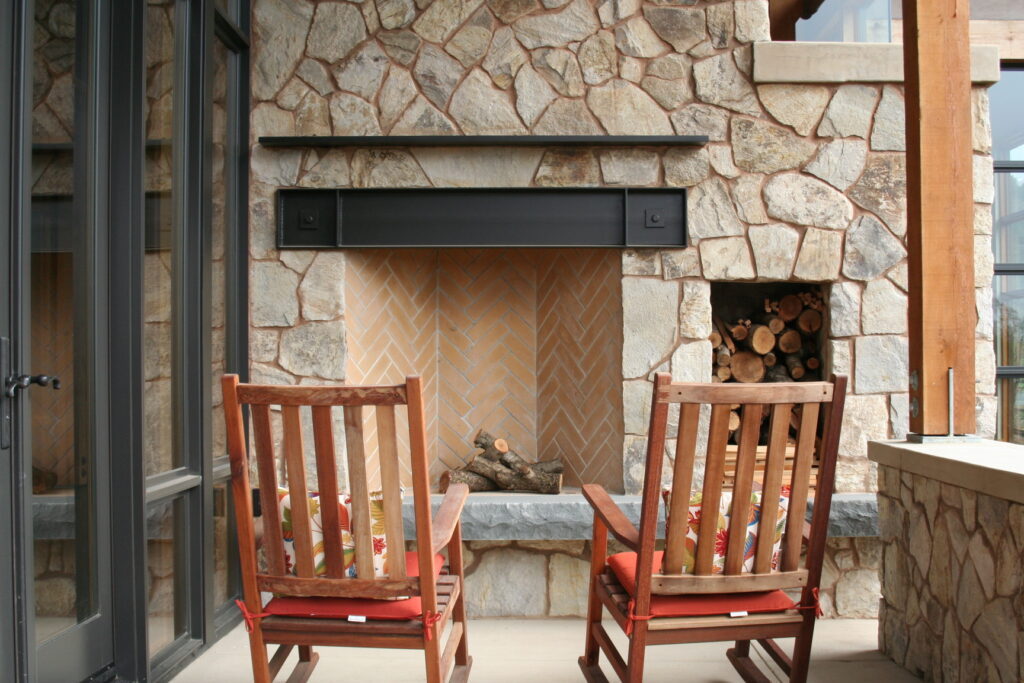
(629, 167)
(679, 263)
(624, 109)
(386, 168)
(840, 162)
(774, 249)
(799, 106)
(889, 129)
(981, 130)
(746, 194)
(670, 94)
(479, 167)
(312, 116)
(884, 309)
(984, 186)
(702, 119)
(437, 23)
(720, 82)
(820, 255)
(650, 309)
(363, 72)
(682, 27)
(881, 364)
(558, 29)
(277, 305)
(636, 39)
(760, 147)
(533, 94)
(567, 117)
(351, 115)
(726, 258)
(395, 95)
(800, 199)
(568, 585)
(752, 21)
(560, 69)
(481, 109)
(711, 212)
(849, 112)
(636, 405)
(469, 44)
(695, 310)
(322, 291)
(688, 166)
(267, 119)
(568, 168)
(507, 582)
(423, 118)
(437, 75)
(279, 32)
(510, 10)
(865, 418)
(597, 58)
(337, 28)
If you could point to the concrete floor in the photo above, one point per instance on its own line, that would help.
(518, 650)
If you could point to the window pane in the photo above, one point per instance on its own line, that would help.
(1008, 218)
(850, 21)
(1008, 297)
(1006, 103)
(1010, 421)
(222, 589)
(165, 560)
(161, 451)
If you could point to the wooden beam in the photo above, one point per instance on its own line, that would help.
(1007, 35)
(940, 212)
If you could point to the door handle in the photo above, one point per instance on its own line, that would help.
(15, 382)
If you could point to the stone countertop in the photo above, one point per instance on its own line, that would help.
(995, 468)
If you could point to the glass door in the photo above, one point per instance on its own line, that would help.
(52, 386)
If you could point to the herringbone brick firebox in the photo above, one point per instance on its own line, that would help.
(522, 342)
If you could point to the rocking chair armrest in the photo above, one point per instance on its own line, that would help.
(448, 515)
(612, 516)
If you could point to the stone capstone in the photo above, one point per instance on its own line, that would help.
(870, 249)
(649, 314)
(840, 162)
(882, 189)
(800, 199)
(881, 364)
(557, 29)
(277, 305)
(849, 112)
(480, 109)
(719, 82)
(820, 257)
(337, 28)
(726, 258)
(799, 106)
(711, 212)
(624, 109)
(681, 27)
(774, 250)
(760, 147)
(889, 131)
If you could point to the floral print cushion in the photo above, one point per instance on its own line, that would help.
(380, 545)
(696, 512)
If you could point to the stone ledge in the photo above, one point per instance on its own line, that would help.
(793, 62)
(994, 468)
(526, 517)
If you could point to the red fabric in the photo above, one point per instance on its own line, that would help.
(340, 608)
(703, 605)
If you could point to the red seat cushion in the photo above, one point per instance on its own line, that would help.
(700, 605)
(341, 608)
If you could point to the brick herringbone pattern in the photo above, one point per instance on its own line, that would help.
(53, 412)
(524, 343)
(579, 347)
(487, 350)
(390, 315)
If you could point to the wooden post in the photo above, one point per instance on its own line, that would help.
(940, 212)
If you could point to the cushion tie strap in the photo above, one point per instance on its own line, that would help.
(632, 616)
(429, 619)
(250, 617)
(816, 605)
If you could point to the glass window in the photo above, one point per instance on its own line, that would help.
(161, 451)
(1006, 104)
(1008, 217)
(165, 562)
(850, 21)
(1010, 420)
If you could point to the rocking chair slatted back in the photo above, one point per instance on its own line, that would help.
(775, 404)
(321, 402)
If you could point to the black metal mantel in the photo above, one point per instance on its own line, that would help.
(483, 140)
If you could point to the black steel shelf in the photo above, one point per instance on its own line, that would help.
(483, 140)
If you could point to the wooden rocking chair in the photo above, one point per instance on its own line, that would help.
(412, 606)
(683, 595)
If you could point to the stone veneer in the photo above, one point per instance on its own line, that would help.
(799, 182)
(952, 606)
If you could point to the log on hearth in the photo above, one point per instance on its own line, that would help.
(498, 467)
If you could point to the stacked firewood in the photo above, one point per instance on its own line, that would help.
(498, 467)
(776, 344)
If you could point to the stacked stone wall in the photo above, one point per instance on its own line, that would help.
(952, 606)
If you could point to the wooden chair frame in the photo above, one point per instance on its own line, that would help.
(632, 613)
(442, 598)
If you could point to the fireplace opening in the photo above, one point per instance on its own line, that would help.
(525, 344)
(767, 332)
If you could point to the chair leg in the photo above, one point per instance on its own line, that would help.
(748, 670)
(432, 653)
(637, 652)
(802, 651)
(260, 661)
(598, 551)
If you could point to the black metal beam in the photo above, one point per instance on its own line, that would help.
(483, 140)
